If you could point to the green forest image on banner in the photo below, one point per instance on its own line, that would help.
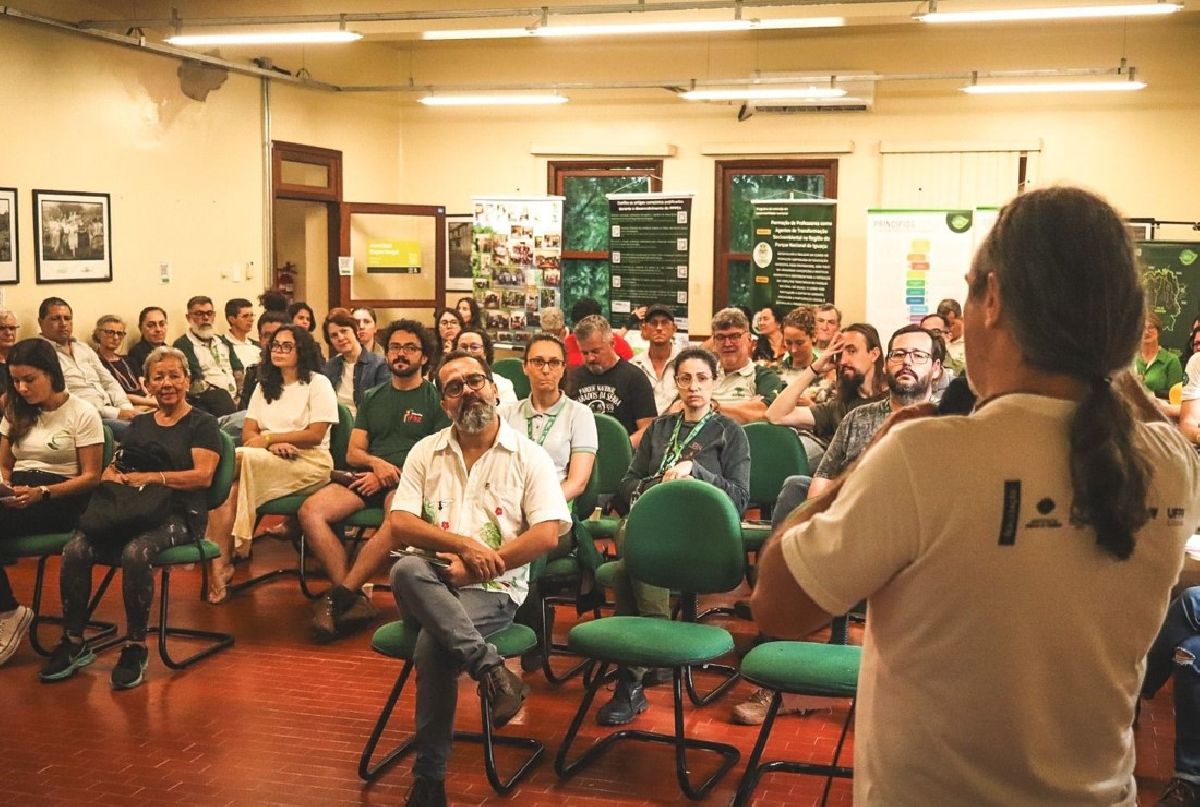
(1171, 276)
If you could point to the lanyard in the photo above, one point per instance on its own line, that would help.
(675, 445)
(550, 418)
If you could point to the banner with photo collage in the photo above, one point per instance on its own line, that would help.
(516, 262)
(649, 243)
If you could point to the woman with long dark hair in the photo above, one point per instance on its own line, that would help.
(51, 444)
(285, 443)
(449, 325)
(470, 312)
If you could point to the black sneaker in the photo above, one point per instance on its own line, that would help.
(628, 701)
(426, 792)
(66, 659)
(360, 614)
(131, 667)
(505, 693)
(1182, 792)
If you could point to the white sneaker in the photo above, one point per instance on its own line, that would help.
(13, 626)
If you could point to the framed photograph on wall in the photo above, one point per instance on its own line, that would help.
(8, 236)
(458, 248)
(73, 233)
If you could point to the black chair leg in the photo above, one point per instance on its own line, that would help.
(105, 632)
(731, 677)
(366, 771)
(548, 647)
(729, 754)
(217, 641)
(751, 776)
(303, 572)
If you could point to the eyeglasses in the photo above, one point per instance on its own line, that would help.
(728, 337)
(9, 328)
(108, 332)
(408, 347)
(540, 364)
(685, 381)
(283, 347)
(454, 389)
(476, 347)
(917, 357)
(202, 314)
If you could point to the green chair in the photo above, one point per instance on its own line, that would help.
(614, 453)
(775, 454)
(514, 370)
(800, 668)
(339, 443)
(43, 547)
(683, 535)
(398, 640)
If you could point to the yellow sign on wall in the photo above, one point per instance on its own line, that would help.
(394, 257)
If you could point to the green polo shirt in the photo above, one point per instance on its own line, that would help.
(1163, 372)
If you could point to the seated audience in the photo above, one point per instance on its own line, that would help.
(8, 338)
(1190, 349)
(108, 338)
(698, 442)
(85, 375)
(351, 369)
(1157, 368)
(367, 326)
(744, 389)
(858, 358)
(392, 418)
(469, 311)
(798, 328)
(188, 440)
(301, 313)
(587, 307)
(216, 371)
(239, 313)
(978, 573)
(829, 324)
(554, 322)
(608, 384)
(274, 301)
(285, 444)
(449, 325)
(489, 533)
(478, 343)
(658, 330)
(936, 325)
(152, 325)
(268, 323)
(956, 357)
(1174, 656)
(769, 349)
(51, 448)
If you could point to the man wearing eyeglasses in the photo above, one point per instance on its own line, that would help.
(486, 499)
(216, 370)
(84, 373)
(744, 389)
(390, 420)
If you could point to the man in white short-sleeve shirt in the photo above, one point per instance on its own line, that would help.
(1189, 406)
(487, 500)
(1010, 604)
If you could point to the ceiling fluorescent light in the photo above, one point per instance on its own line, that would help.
(477, 33)
(764, 94)
(491, 100)
(264, 38)
(621, 29)
(1055, 86)
(800, 22)
(1053, 13)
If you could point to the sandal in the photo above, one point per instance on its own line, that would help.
(218, 584)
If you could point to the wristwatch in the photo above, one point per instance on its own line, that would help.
(45, 493)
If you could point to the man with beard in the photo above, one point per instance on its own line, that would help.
(391, 419)
(485, 498)
(83, 372)
(213, 363)
(744, 389)
(608, 384)
(858, 357)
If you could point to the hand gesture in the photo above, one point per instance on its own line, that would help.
(482, 562)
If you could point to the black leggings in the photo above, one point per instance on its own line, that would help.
(137, 576)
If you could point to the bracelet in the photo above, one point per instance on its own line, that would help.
(164, 478)
(267, 437)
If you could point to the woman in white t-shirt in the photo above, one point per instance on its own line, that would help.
(51, 447)
(285, 444)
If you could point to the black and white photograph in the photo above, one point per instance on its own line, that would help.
(8, 236)
(74, 238)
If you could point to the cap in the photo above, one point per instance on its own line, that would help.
(658, 310)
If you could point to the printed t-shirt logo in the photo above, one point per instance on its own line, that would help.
(413, 417)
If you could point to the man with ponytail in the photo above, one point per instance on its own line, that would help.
(1011, 604)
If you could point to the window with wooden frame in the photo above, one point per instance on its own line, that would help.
(739, 182)
(585, 187)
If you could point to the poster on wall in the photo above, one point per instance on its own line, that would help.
(74, 236)
(793, 253)
(393, 257)
(516, 262)
(915, 259)
(649, 241)
(1171, 277)
(8, 236)
(458, 251)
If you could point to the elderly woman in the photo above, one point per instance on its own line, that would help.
(190, 445)
(449, 325)
(1158, 368)
(352, 370)
(51, 444)
(8, 338)
(695, 443)
(476, 342)
(108, 338)
(285, 444)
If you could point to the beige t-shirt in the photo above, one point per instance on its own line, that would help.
(345, 388)
(1004, 650)
(51, 445)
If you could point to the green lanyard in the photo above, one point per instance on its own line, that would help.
(675, 446)
(541, 439)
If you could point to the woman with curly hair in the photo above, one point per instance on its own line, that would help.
(285, 444)
(449, 325)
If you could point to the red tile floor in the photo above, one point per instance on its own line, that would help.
(277, 719)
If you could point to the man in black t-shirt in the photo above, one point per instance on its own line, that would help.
(608, 384)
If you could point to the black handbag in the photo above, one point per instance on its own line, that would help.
(119, 513)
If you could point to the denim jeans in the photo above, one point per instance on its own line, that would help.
(453, 624)
(1175, 652)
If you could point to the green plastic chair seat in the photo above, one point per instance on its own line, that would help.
(188, 553)
(32, 546)
(283, 506)
(804, 668)
(606, 575)
(560, 568)
(641, 642)
(754, 536)
(370, 517)
(603, 527)
(398, 640)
